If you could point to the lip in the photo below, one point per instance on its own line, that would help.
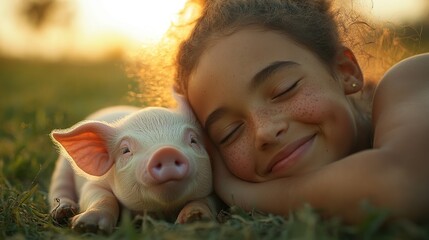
(290, 154)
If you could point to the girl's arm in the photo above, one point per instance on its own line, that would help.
(393, 175)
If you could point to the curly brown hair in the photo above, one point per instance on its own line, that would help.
(318, 25)
(310, 23)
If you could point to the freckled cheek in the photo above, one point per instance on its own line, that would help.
(238, 159)
(306, 108)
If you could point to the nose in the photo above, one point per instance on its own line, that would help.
(269, 131)
(168, 164)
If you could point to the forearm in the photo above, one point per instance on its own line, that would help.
(337, 189)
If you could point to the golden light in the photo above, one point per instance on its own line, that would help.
(142, 20)
(393, 32)
(102, 27)
(98, 28)
(396, 11)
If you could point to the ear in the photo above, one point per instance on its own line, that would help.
(183, 106)
(349, 71)
(86, 144)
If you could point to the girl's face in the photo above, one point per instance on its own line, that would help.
(270, 106)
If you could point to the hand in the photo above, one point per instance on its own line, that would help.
(231, 189)
(222, 177)
(250, 195)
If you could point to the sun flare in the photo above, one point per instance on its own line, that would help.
(95, 29)
(394, 10)
(143, 20)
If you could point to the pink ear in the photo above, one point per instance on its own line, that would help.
(183, 104)
(86, 144)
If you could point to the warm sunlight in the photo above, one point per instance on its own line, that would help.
(94, 29)
(91, 29)
(395, 11)
(140, 20)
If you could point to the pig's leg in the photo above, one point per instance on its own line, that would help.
(204, 209)
(62, 192)
(99, 210)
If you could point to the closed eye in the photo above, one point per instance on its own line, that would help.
(290, 88)
(231, 134)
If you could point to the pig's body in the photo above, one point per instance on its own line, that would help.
(146, 160)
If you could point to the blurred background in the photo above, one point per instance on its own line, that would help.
(81, 29)
(94, 30)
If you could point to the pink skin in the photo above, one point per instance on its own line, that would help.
(168, 164)
(267, 122)
(151, 160)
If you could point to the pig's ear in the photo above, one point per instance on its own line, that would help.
(183, 104)
(87, 146)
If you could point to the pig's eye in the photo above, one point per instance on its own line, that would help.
(193, 140)
(125, 150)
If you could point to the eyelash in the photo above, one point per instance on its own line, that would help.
(287, 90)
(228, 137)
(234, 131)
(125, 147)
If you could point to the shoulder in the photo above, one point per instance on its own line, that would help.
(406, 81)
(401, 99)
(418, 62)
(411, 74)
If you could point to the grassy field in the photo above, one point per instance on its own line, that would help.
(36, 97)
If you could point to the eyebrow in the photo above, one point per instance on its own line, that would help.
(214, 116)
(259, 77)
(269, 70)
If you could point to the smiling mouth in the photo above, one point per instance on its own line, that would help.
(290, 154)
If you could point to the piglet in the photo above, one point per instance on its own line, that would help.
(149, 160)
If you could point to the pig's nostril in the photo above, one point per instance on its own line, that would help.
(177, 163)
(158, 166)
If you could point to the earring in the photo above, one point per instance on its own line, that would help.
(354, 85)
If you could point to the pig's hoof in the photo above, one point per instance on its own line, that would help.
(195, 213)
(93, 221)
(65, 209)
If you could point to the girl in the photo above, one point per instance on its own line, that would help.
(275, 89)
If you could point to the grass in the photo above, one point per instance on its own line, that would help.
(37, 97)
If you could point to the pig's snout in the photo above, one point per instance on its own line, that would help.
(168, 164)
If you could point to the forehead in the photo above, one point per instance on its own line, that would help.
(231, 62)
(154, 118)
(248, 46)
